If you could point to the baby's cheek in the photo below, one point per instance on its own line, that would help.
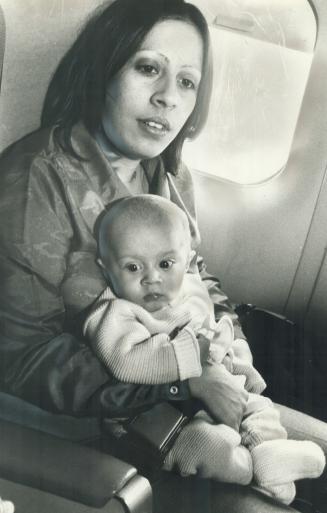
(176, 280)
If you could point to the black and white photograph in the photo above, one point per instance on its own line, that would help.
(163, 256)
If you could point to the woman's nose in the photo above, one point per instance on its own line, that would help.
(166, 93)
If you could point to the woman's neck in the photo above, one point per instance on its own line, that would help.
(123, 166)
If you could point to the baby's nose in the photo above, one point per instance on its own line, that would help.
(152, 276)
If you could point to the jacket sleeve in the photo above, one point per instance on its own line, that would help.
(221, 303)
(137, 348)
(40, 361)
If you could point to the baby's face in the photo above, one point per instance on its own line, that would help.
(147, 267)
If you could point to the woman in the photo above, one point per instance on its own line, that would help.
(121, 94)
(117, 112)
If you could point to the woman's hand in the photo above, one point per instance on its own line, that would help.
(222, 394)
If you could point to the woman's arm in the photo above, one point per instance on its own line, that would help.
(54, 369)
(40, 361)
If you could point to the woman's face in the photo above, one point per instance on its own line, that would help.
(152, 96)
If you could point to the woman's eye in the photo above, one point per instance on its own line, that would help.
(132, 268)
(147, 69)
(187, 83)
(166, 264)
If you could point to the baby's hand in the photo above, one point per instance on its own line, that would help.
(204, 337)
(228, 362)
(205, 332)
(221, 339)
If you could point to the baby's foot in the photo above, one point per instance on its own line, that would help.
(210, 451)
(6, 506)
(284, 493)
(277, 462)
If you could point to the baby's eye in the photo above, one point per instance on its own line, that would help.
(187, 83)
(166, 264)
(133, 268)
(147, 69)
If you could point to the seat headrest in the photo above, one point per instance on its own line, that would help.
(37, 35)
(2, 40)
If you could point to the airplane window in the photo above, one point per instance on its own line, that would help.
(262, 52)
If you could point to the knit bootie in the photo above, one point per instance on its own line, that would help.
(277, 462)
(284, 493)
(6, 506)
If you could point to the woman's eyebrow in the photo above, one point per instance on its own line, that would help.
(155, 52)
(192, 67)
(166, 59)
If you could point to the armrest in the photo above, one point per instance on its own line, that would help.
(275, 347)
(66, 469)
(247, 309)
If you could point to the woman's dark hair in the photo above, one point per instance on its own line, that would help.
(78, 88)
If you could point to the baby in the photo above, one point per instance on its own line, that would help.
(155, 324)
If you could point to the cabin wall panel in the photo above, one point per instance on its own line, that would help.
(257, 238)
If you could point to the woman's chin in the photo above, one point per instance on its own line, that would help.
(147, 153)
(145, 150)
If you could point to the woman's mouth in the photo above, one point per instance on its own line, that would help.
(155, 126)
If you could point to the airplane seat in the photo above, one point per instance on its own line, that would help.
(44, 460)
(40, 472)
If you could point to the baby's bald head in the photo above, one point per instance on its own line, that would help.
(127, 217)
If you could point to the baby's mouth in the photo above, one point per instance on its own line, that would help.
(153, 297)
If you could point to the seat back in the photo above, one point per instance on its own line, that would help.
(34, 35)
(2, 40)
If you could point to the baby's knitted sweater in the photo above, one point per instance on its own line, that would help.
(160, 347)
(136, 345)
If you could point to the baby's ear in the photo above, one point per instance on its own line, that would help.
(224, 332)
(191, 256)
(104, 272)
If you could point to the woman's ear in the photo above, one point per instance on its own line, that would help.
(190, 258)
